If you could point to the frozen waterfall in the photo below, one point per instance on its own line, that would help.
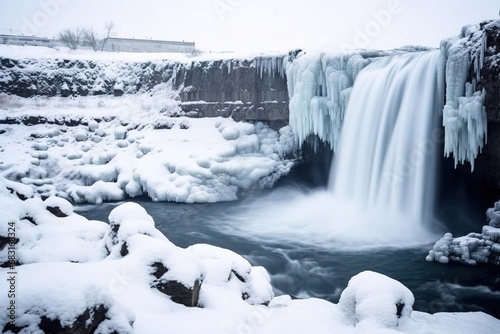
(319, 86)
(389, 139)
(381, 190)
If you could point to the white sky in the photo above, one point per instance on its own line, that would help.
(255, 25)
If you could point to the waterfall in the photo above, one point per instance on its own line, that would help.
(382, 178)
(389, 137)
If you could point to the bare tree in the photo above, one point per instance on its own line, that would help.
(71, 38)
(110, 32)
(90, 38)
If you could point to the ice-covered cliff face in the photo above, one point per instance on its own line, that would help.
(467, 71)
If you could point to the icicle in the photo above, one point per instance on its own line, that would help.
(319, 87)
(464, 114)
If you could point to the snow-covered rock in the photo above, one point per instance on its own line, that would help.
(473, 248)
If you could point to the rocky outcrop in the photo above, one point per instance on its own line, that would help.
(66, 77)
(249, 89)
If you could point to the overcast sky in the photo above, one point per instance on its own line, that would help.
(255, 25)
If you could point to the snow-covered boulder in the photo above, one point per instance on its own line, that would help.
(224, 267)
(373, 300)
(473, 248)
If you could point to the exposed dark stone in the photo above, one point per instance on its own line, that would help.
(72, 122)
(118, 92)
(399, 309)
(34, 120)
(238, 276)
(124, 249)
(2, 132)
(180, 293)
(56, 211)
(5, 241)
(8, 63)
(30, 219)
(490, 73)
(85, 323)
(20, 196)
(9, 264)
(159, 269)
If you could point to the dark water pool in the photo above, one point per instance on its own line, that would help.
(307, 270)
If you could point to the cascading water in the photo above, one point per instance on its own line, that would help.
(381, 187)
(389, 137)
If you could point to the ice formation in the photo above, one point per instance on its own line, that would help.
(464, 116)
(319, 86)
(271, 65)
(129, 148)
(473, 248)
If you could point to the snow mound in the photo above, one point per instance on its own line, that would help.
(372, 299)
(225, 267)
(319, 86)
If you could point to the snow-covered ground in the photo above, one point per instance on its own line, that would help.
(40, 52)
(63, 272)
(131, 145)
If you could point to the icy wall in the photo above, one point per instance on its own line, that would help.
(469, 68)
(245, 89)
(469, 76)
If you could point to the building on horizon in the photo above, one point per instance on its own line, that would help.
(112, 45)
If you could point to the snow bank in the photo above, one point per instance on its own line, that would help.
(473, 248)
(127, 149)
(464, 115)
(126, 277)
